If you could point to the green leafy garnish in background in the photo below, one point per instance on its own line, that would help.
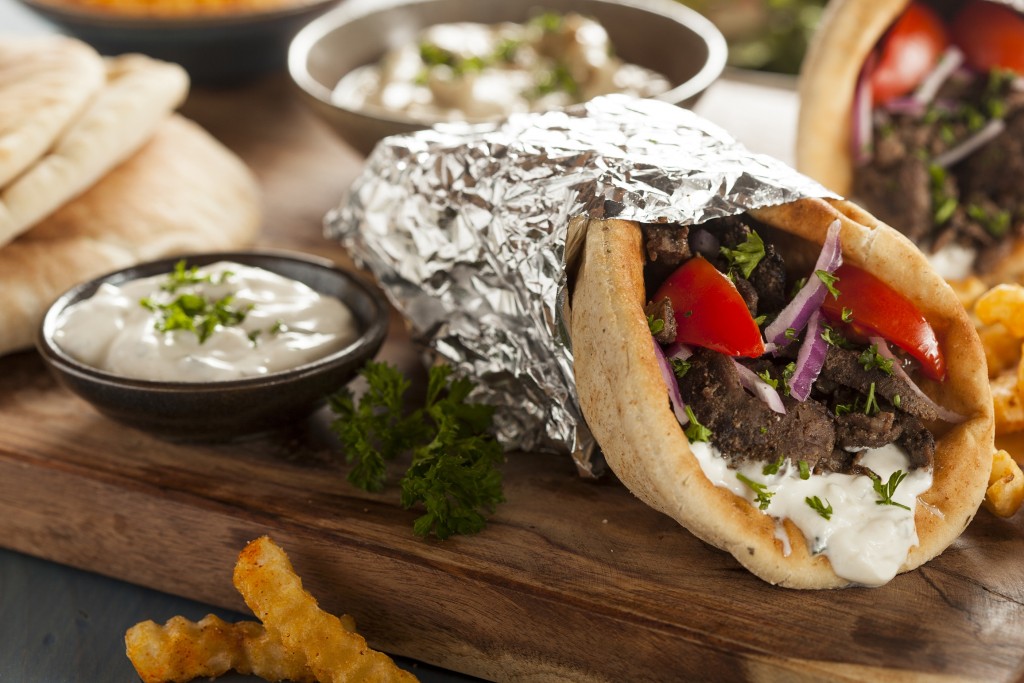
(453, 469)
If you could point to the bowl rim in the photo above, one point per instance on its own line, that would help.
(368, 341)
(312, 33)
(66, 12)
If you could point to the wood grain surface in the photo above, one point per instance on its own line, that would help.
(572, 580)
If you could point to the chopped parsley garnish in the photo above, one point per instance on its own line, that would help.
(829, 281)
(787, 373)
(773, 467)
(847, 315)
(791, 333)
(823, 509)
(679, 366)
(745, 257)
(896, 400)
(797, 286)
(548, 21)
(844, 408)
(557, 79)
(655, 324)
(184, 276)
(943, 204)
(454, 458)
(762, 496)
(997, 224)
(434, 55)
(759, 320)
(871, 405)
(695, 431)
(871, 359)
(768, 379)
(805, 469)
(195, 313)
(885, 491)
(833, 338)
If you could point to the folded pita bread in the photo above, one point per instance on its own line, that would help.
(45, 83)
(846, 34)
(138, 94)
(182, 192)
(623, 395)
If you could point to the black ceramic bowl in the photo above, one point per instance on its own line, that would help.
(215, 49)
(662, 35)
(215, 411)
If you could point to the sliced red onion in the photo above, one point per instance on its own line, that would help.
(809, 359)
(944, 414)
(947, 65)
(758, 387)
(678, 407)
(906, 105)
(808, 300)
(989, 132)
(678, 351)
(860, 138)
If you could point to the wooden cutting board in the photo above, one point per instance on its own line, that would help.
(572, 580)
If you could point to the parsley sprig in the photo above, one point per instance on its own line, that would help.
(196, 313)
(823, 509)
(453, 469)
(762, 496)
(745, 257)
(887, 490)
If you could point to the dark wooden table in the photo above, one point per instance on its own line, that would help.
(572, 580)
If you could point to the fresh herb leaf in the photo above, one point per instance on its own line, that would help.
(871, 405)
(847, 315)
(759, 320)
(768, 379)
(805, 470)
(823, 509)
(679, 366)
(453, 470)
(871, 359)
(830, 281)
(773, 467)
(655, 324)
(745, 257)
(845, 408)
(695, 431)
(548, 21)
(896, 400)
(833, 338)
(943, 204)
(885, 491)
(791, 333)
(195, 313)
(557, 79)
(787, 374)
(762, 496)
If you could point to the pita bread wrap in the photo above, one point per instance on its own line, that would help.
(623, 394)
(182, 192)
(844, 41)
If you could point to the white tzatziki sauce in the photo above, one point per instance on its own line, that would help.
(285, 324)
(479, 72)
(953, 261)
(865, 542)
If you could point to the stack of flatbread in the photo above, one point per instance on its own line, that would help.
(97, 173)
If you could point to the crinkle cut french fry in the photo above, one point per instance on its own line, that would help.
(182, 650)
(267, 582)
(1006, 486)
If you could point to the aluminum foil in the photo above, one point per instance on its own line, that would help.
(465, 228)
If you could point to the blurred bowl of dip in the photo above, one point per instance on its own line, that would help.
(373, 68)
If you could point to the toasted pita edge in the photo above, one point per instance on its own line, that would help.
(622, 395)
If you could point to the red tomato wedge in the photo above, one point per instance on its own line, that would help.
(908, 52)
(990, 35)
(709, 310)
(878, 309)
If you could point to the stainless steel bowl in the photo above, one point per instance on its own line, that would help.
(662, 35)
